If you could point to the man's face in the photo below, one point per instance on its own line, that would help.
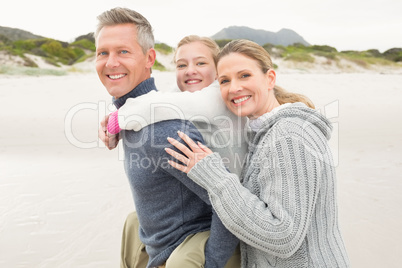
(120, 63)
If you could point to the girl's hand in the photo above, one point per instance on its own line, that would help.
(198, 151)
(111, 141)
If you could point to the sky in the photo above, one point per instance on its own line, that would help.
(343, 24)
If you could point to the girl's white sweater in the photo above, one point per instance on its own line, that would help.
(223, 132)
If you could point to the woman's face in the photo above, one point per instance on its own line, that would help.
(245, 89)
(195, 67)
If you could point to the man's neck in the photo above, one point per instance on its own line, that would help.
(143, 88)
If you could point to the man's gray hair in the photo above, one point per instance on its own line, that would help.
(119, 15)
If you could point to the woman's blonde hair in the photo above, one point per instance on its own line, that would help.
(208, 42)
(259, 54)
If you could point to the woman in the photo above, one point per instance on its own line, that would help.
(284, 208)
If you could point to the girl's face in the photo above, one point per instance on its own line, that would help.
(195, 67)
(245, 89)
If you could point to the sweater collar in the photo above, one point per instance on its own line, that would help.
(256, 124)
(299, 110)
(143, 88)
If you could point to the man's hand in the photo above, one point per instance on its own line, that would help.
(111, 141)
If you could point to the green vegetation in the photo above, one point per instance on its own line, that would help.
(301, 53)
(57, 53)
(158, 66)
(53, 51)
(366, 58)
(163, 48)
(60, 53)
(30, 71)
(300, 57)
(4, 40)
(393, 54)
(84, 44)
(222, 42)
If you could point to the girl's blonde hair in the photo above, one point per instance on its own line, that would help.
(259, 54)
(208, 42)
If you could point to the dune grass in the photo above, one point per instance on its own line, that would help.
(30, 71)
(61, 53)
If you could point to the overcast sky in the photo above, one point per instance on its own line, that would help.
(343, 24)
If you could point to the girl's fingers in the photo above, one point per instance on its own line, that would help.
(178, 156)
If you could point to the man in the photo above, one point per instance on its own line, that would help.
(171, 209)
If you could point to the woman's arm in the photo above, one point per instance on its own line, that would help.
(203, 105)
(274, 211)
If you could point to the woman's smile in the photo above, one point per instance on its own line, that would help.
(240, 100)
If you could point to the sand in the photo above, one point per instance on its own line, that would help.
(64, 197)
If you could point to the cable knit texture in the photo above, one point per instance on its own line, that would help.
(284, 209)
(113, 123)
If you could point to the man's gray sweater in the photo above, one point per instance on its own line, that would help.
(169, 205)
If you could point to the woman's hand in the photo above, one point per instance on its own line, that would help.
(198, 151)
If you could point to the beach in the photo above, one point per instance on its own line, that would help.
(64, 196)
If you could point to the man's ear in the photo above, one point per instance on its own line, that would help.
(151, 57)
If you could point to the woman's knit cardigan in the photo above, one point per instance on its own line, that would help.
(284, 208)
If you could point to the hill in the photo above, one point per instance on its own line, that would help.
(284, 37)
(14, 34)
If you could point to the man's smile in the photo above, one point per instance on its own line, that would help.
(116, 76)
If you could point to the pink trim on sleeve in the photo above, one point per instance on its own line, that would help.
(113, 123)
